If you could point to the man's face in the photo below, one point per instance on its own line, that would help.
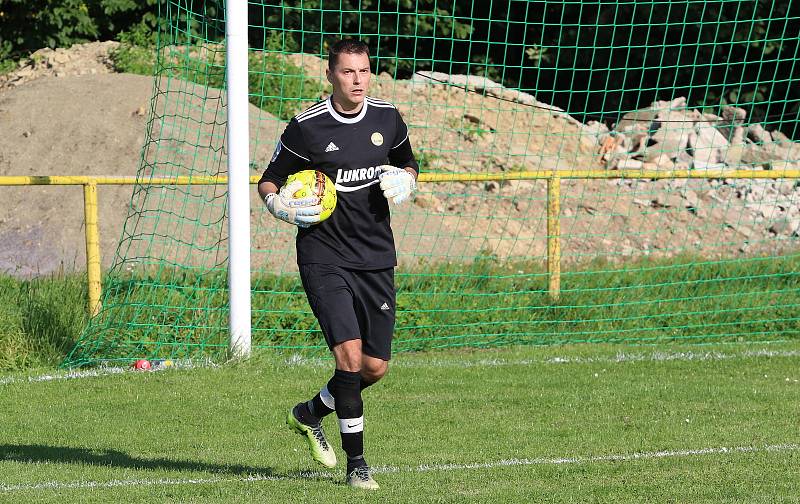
(350, 79)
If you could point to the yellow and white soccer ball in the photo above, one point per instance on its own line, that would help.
(315, 183)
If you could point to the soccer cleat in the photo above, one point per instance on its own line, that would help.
(318, 444)
(361, 477)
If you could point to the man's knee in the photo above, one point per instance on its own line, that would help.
(348, 355)
(373, 369)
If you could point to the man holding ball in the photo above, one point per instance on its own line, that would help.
(347, 261)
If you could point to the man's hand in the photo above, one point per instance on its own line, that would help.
(397, 184)
(302, 212)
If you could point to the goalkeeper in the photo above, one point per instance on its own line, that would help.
(346, 262)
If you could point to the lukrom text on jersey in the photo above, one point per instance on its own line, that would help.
(356, 174)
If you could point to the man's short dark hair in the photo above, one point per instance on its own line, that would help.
(349, 46)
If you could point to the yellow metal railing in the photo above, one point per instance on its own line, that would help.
(92, 246)
(553, 178)
(554, 237)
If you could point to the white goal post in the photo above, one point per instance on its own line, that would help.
(238, 131)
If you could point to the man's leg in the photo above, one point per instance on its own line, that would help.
(310, 427)
(346, 385)
(373, 302)
(346, 382)
(330, 298)
(306, 417)
(323, 404)
(336, 298)
(372, 370)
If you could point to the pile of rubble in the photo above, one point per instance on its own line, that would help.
(80, 59)
(670, 136)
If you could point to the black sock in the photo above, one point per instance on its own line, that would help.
(355, 462)
(364, 383)
(317, 405)
(305, 415)
(350, 410)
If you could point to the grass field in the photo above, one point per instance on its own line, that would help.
(584, 423)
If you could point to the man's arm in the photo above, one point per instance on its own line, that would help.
(401, 154)
(266, 187)
(397, 183)
(289, 157)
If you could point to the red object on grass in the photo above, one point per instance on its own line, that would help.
(141, 365)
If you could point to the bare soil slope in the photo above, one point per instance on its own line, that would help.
(66, 113)
(74, 125)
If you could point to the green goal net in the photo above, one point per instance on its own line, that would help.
(592, 172)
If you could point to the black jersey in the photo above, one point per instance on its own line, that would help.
(347, 149)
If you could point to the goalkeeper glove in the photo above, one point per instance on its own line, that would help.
(302, 212)
(397, 184)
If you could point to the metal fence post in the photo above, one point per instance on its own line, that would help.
(554, 237)
(92, 246)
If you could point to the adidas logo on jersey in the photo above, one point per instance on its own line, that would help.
(331, 147)
(385, 306)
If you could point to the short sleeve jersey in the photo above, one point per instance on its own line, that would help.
(347, 149)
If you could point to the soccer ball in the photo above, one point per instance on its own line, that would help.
(315, 183)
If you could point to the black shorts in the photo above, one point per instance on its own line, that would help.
(352, 304)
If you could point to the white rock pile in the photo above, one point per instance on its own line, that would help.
(669, 135)
(81, 59)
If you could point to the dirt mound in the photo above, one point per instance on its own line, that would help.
(86, 125)
(65, 113)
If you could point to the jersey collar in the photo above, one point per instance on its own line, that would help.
(341, 118)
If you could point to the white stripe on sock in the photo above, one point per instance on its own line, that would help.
(327, 398)
(351, 425)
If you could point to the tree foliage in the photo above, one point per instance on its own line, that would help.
(596, 60)
(28, 25)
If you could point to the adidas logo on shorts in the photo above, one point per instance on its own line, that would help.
(331, 147)
(385, 306)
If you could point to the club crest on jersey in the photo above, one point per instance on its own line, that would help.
(377, 138)
(364, 177)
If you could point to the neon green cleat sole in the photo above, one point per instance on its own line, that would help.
(318, 444)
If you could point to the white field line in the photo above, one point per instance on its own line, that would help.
(63, 485)
(662, 356)
(620, 357)
(69, 375)
(297, 360)
(102, 371)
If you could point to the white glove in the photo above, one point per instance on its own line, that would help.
(302, 212)
(397, 184)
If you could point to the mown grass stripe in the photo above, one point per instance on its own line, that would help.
(316, 475)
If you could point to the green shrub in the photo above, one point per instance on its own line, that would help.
(41, 319)
(275, 84)
(29, 25)
(7, 66)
